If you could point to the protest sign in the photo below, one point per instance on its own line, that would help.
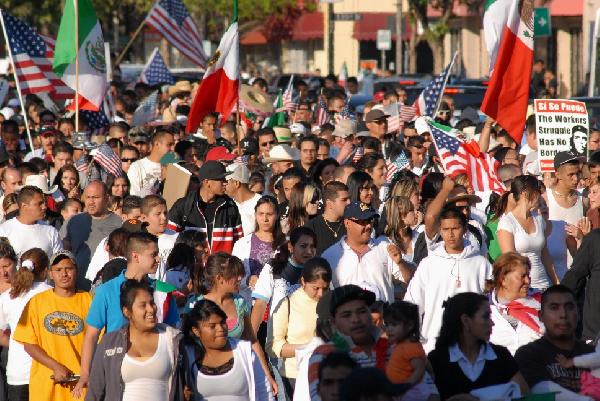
(176, 183)
(562, 125)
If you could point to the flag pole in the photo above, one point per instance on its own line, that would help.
(437, 106)
(14, 68)
(76, 10)
(128, 45)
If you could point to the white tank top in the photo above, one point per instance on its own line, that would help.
(148, 380)
(560, 217)
(230, 386)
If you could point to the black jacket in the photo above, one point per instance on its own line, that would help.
(226, 225)
(584, 279)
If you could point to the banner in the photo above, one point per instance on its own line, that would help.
(562, 125)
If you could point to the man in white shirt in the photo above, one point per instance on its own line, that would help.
(144, 173)
(238, 177)
(24, 231)
(357, 258)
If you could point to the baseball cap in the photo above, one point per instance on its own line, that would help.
(212, 170)
(238, 172)
(169, 158)
(345, 128)
(219, 153)
(335, 298)
(298, 129)
(249, 145)
(60, 255)
(564, 157)
(374, 115)
(359, 211)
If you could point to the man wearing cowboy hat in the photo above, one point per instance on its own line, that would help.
(281, 158)
(178, 94)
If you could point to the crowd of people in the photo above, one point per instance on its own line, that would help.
(295, 266)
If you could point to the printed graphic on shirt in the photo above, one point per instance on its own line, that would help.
(63, 323)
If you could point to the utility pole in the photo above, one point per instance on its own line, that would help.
(330, 30)
(399, 65)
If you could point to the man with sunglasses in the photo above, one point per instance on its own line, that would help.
(358, 258)
(266, 141)
(376, 121)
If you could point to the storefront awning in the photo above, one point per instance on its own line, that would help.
(309, 26)
(253, 37)
(369, 23)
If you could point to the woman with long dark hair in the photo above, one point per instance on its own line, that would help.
(281, 276)
(257, 248)
(218, 367)
(361, 188)
(323, 171)
(67, 180)
(146, 367)
(463, 342)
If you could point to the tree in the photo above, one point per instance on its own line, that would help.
(433, 31)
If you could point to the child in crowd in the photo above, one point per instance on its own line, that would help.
(408, 359)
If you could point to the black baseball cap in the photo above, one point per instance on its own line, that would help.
(212, 170)
(359, 211)
(564, 157)
(333, 299)
(249, 145)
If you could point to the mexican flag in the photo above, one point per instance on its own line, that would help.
(511, 53)
(89, 50)
(277, 119)
(219, 89)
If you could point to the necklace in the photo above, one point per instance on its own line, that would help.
(563, 195)
(335, 232)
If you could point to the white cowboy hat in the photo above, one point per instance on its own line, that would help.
(41, 182)
(281, 153)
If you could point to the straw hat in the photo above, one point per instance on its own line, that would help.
(282, 153)
(180, 86)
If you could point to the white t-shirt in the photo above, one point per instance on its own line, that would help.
(19, 361)
(529, 245)
(247, 213)
(142, 175)
(23, 237)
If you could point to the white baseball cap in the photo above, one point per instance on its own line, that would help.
(238, 172)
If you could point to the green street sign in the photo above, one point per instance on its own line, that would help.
(542, 23)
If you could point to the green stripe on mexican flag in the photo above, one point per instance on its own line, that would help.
(508, 91)
(90, 52)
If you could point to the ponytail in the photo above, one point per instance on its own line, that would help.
(34, 264)
(501, 206)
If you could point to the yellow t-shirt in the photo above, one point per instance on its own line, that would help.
(56, 324)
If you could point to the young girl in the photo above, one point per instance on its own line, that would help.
(408, 359)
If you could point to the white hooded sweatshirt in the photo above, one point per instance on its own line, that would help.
(441, 276)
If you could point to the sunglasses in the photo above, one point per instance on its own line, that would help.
(268, 143)
(380, 122)
(126, 160)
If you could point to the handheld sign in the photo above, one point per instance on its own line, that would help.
(562, 125)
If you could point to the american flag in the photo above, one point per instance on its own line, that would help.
(358, 154)
(83, 163)
(399, 163)
(156, 71)
(33, 54)
(459, 157)
(345, 114)
(172, 19)
(97, 121)
(241, 160)
(146, 111)
(322, 112)
(288, 97)
(429, 99)
(108, 160)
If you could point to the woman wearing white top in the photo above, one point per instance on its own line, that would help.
(139, 361)
(257, 248)
(28, 281)
(514, 308)
(523, 230)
